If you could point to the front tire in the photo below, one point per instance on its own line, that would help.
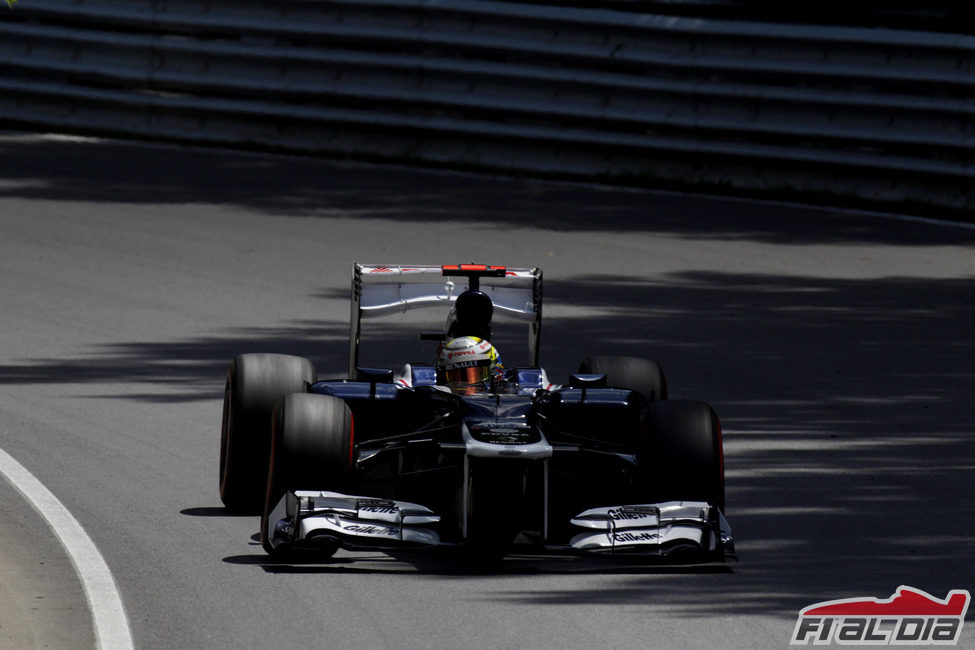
(312, 448)
(255, 382)
(682, 457)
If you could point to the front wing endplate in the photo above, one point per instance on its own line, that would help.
(307, 518)
(654, 529)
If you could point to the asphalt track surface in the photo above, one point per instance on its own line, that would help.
(838, 349)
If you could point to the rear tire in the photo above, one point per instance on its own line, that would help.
(312, 447)
(682, 457)
(637, 374)
(255, 382)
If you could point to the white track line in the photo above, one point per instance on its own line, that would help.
(107, 613)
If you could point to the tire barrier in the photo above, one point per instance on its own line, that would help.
(875, 117)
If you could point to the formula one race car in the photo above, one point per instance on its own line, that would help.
(464, 451)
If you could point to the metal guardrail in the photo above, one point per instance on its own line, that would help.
(941, 16)
(806, 112)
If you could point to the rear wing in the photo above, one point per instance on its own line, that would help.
(378, 290)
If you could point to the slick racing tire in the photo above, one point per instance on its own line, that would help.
(255, 383)
(682, 457)
(637, 374)
(312, 447)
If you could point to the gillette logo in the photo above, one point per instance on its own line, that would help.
(909, 617)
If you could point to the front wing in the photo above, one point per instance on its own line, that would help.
(327, 520)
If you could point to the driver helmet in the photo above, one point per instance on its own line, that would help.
(466, 362)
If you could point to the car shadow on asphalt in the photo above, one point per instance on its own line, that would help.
(452, 564)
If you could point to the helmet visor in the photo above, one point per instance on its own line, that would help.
(466, 378)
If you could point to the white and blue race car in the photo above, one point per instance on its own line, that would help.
(396, 456)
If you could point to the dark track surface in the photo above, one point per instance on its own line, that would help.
(838, 349)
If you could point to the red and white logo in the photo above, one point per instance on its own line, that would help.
(909, 617)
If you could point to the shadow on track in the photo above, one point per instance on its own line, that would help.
(111, 171)
(849, 431)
